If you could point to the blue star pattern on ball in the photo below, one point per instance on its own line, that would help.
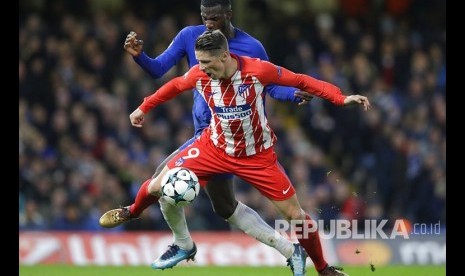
(180, 186)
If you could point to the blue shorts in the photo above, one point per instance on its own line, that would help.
(218, 176)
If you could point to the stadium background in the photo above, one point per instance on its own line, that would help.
(79, 156)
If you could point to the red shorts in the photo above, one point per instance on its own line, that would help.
(262, 170)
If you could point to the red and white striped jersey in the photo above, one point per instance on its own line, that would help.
(239, 125)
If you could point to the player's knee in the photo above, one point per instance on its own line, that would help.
(294, 214)
(153, 187)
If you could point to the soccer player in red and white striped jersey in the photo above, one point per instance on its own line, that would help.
(239, 139)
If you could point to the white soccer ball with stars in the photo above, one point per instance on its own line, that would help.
(180, 186)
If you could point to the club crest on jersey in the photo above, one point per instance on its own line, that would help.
(243, 90)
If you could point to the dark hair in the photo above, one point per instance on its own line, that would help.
(211, 40)
(225, 4)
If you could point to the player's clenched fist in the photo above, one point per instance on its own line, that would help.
(137, 118)
(133, 45)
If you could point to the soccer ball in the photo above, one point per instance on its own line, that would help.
(180, 186)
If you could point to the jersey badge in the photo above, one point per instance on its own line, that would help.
(243, 90)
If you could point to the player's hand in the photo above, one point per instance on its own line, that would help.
(133, 45)
(137, 118)
(305, 96)
(354, 99)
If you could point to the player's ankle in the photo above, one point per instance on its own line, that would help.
(184, 243)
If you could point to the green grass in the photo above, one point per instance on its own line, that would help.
(60, 270)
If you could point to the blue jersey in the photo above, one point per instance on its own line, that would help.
(183, 44)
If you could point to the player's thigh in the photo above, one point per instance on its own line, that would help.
(163, 164)
(221, 193)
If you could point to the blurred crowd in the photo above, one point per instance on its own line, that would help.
(79, 155)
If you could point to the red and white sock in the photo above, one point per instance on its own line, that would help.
(143, 200)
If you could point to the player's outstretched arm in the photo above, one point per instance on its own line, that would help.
(272, 73)
(132, 45)
(159, 65)
(357, 99)
(165, 93)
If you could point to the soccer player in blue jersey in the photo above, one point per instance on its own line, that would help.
(216, 14)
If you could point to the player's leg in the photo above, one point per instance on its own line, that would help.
(176, 220)
(183, 247)
(220, 192)
(307, 234)
(142, 201)
(265, 173)
(225, 205)
(275, 185)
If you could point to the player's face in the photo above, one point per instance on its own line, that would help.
(215, 18)
(212, 65)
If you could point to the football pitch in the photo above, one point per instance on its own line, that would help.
(59, 270)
